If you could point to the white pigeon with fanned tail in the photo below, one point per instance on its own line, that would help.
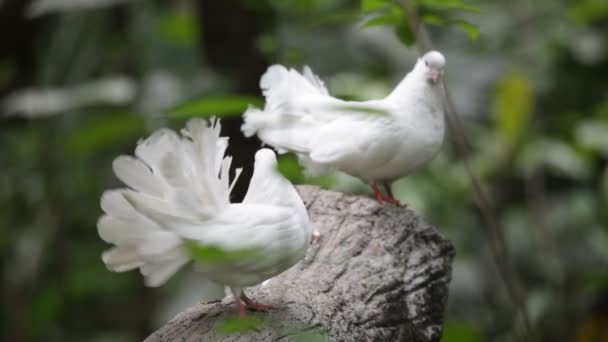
(179, 194)
(377, 141)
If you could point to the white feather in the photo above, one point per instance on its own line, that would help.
(179, 191)
(137, 175)
(377, 140)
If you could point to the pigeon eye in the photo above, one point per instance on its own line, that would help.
(426, 63)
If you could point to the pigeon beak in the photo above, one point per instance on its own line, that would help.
(435, 76)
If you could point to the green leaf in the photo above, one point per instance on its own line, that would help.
(46, 307)
(103, 132)
(382, 20)
(588, 11)
(449, 5)
(471, 29)
(290, 168)
(368, 6)
(557, 156)
(266, 44)
(433, 19)
(213, 254)
(460, 332)
(594, 280)
(239, 324)
(180, 27)
(512, 106)
(389, 17)
(221, 106)
(404, 34)
(591, 134)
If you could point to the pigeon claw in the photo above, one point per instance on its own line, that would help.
(392, 200)
(379, 195)
(382, 198)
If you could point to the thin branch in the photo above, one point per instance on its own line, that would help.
(494, 229)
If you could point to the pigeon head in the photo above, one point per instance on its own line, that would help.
(265, 159)
(434, 64)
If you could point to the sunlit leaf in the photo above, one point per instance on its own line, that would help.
(554, 155)
(40, 102)
(593, 134)
(239, 324)
(512, 106)
(449, 5)
(180, 27)
(433, 19)
(222, 106)
(386, 19)
(373, 5)
(460, 332)
(586, 11)
(390, 17)
(103, 132)
(213, 254)
(471, 29)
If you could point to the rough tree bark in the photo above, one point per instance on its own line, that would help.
(378, 273)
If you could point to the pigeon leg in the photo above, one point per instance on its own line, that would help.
(253, 305)
(379, 196)
(391, 198)
(240, 308)
(238, 302)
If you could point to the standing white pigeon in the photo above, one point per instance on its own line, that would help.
(179, 197)
(377, 141)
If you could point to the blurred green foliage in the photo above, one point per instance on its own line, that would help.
(529, 78)
(240, 324)
(513, 106)
(214, 255)
(220, 106)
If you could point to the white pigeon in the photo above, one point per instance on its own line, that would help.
(179, 197)
(377, 141)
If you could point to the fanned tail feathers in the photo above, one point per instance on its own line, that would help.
(173, 180)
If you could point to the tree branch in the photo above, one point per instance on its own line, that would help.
(378, 273)
(494, 229)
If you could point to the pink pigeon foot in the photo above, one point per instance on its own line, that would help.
(379, 195)
(383, 198)
(240, 308)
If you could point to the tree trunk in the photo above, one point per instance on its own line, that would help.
(377, 273)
